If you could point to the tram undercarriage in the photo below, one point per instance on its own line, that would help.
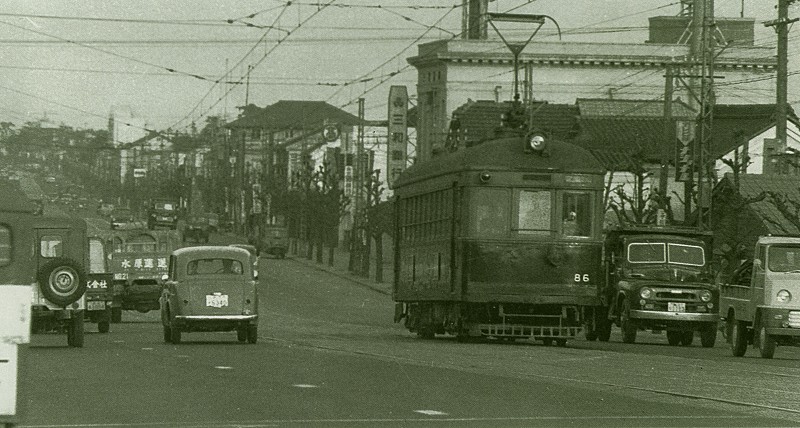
(509, 321)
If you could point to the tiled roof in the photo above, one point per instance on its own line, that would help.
(731, 121)
(479, 119)
(752, 185)
(630, 108)
(288, 114)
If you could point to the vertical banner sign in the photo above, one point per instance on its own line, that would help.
(397, 131)
(684, 130)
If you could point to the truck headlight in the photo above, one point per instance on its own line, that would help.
(705, 295)
(645, 293)
(784, 296)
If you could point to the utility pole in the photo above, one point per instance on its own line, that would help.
(669, 140)
(781, 26)
(357, 239)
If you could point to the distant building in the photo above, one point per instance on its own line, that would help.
(450, 72)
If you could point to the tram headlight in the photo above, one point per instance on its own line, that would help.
(784, 296)
(646, 293)
(705, 296)
(485, 177)
(535, 142)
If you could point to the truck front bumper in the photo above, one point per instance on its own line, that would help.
(674, 316)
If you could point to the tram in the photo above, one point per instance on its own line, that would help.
(501, 240)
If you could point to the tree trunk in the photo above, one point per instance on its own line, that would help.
(319, 252)
(379, 257)
(365, 254)
(330, 255)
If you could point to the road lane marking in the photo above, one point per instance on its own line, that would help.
(305, 385)
(147, 349)
(223, 367)
(431, 412)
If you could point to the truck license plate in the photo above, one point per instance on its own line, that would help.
(95, 305)
(217, 301)
(676, 307)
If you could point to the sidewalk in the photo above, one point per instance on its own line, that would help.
(341, 260)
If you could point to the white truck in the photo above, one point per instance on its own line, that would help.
(761, 304)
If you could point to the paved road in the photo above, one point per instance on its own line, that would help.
(328, 355)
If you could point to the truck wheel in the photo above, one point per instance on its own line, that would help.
(766, 343)
(62, 281)
(116, 315)
(628, 328)
(687, 337)
(75, 330)
(604, 330)
(673, 337)
(561, 343)
(252, 334)
(708, 336)
(167, 334)
(103, 326)
(738, 337)
(241, 334)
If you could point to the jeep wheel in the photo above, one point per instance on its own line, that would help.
(738, 337)
(75, 330)
(116, 315)
(673, 337)
(625, 323)
(62, 281)
(765, 343)
(252, 334)
(708, 335)
(167, 334)
(103, 326)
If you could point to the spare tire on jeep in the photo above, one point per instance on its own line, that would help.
(62, 281)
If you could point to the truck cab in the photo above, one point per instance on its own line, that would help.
(658, 278)
(761, 303)
(162, 213)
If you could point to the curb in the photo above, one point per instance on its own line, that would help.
(338, 274)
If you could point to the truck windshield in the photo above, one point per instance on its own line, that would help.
(783, 259)
(657, 252)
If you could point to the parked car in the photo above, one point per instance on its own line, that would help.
(121, 217)
(210, 288)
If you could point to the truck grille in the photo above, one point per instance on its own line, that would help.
(684, 296)
(794, 319)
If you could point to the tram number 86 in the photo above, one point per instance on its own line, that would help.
(581, 278)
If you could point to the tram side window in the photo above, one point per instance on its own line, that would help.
(50, 246)
(5, 246)
(490, 213)
(533, 212)
(577, 214)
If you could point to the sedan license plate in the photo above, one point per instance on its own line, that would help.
(217, 301)
(676, 307)
(95, 305)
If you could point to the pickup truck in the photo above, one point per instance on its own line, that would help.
(658, 278)
(761, 304)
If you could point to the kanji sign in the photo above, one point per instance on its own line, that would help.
(684, 155)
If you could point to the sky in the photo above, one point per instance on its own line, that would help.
(176, 62)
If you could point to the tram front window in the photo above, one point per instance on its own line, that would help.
(577, 215)
(490, 213)
(533, 212)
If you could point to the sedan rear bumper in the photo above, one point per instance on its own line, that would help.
(216, 317)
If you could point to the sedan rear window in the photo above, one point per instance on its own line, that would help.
(214, 266)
